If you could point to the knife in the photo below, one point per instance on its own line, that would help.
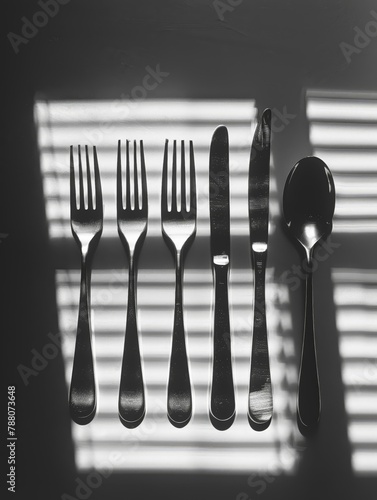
(260, 389)
(222, 405)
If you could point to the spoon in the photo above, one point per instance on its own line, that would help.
(308, 205)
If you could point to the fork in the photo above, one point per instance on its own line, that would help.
(178, 230)
(132, 220)
(86, 225)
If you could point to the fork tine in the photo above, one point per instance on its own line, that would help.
(97, 181)
(164, 192)
(128, 180)
(90, 196)
(183, 177)
(119, 179)
(192, 180)
(174, 179)
(144, 194)
(81, 182)
(72, 182)
(136, 187)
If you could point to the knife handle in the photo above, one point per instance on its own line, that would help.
(260, 389)
(222, 409)
(309, 399)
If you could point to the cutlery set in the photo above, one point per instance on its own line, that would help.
(308, 206)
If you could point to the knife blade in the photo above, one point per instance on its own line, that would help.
(222, 403)
(260, 405)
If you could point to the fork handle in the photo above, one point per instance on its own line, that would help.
(222, 409)
(179, 386)
(82, 398)
(131, 389)
(260, 389)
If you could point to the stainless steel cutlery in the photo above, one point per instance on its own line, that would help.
(132, 221)
(86, 225)
(260, 389)
(178, 221)
(222, 404)
(308, 205)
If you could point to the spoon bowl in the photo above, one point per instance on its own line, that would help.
(309, 201)
(308, 206)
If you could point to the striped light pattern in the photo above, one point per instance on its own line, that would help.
(343, 132)
(61, 124)
(156, 445)
(355, 296)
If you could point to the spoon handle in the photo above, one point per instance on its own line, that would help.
(260, 390)
(309, 400)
